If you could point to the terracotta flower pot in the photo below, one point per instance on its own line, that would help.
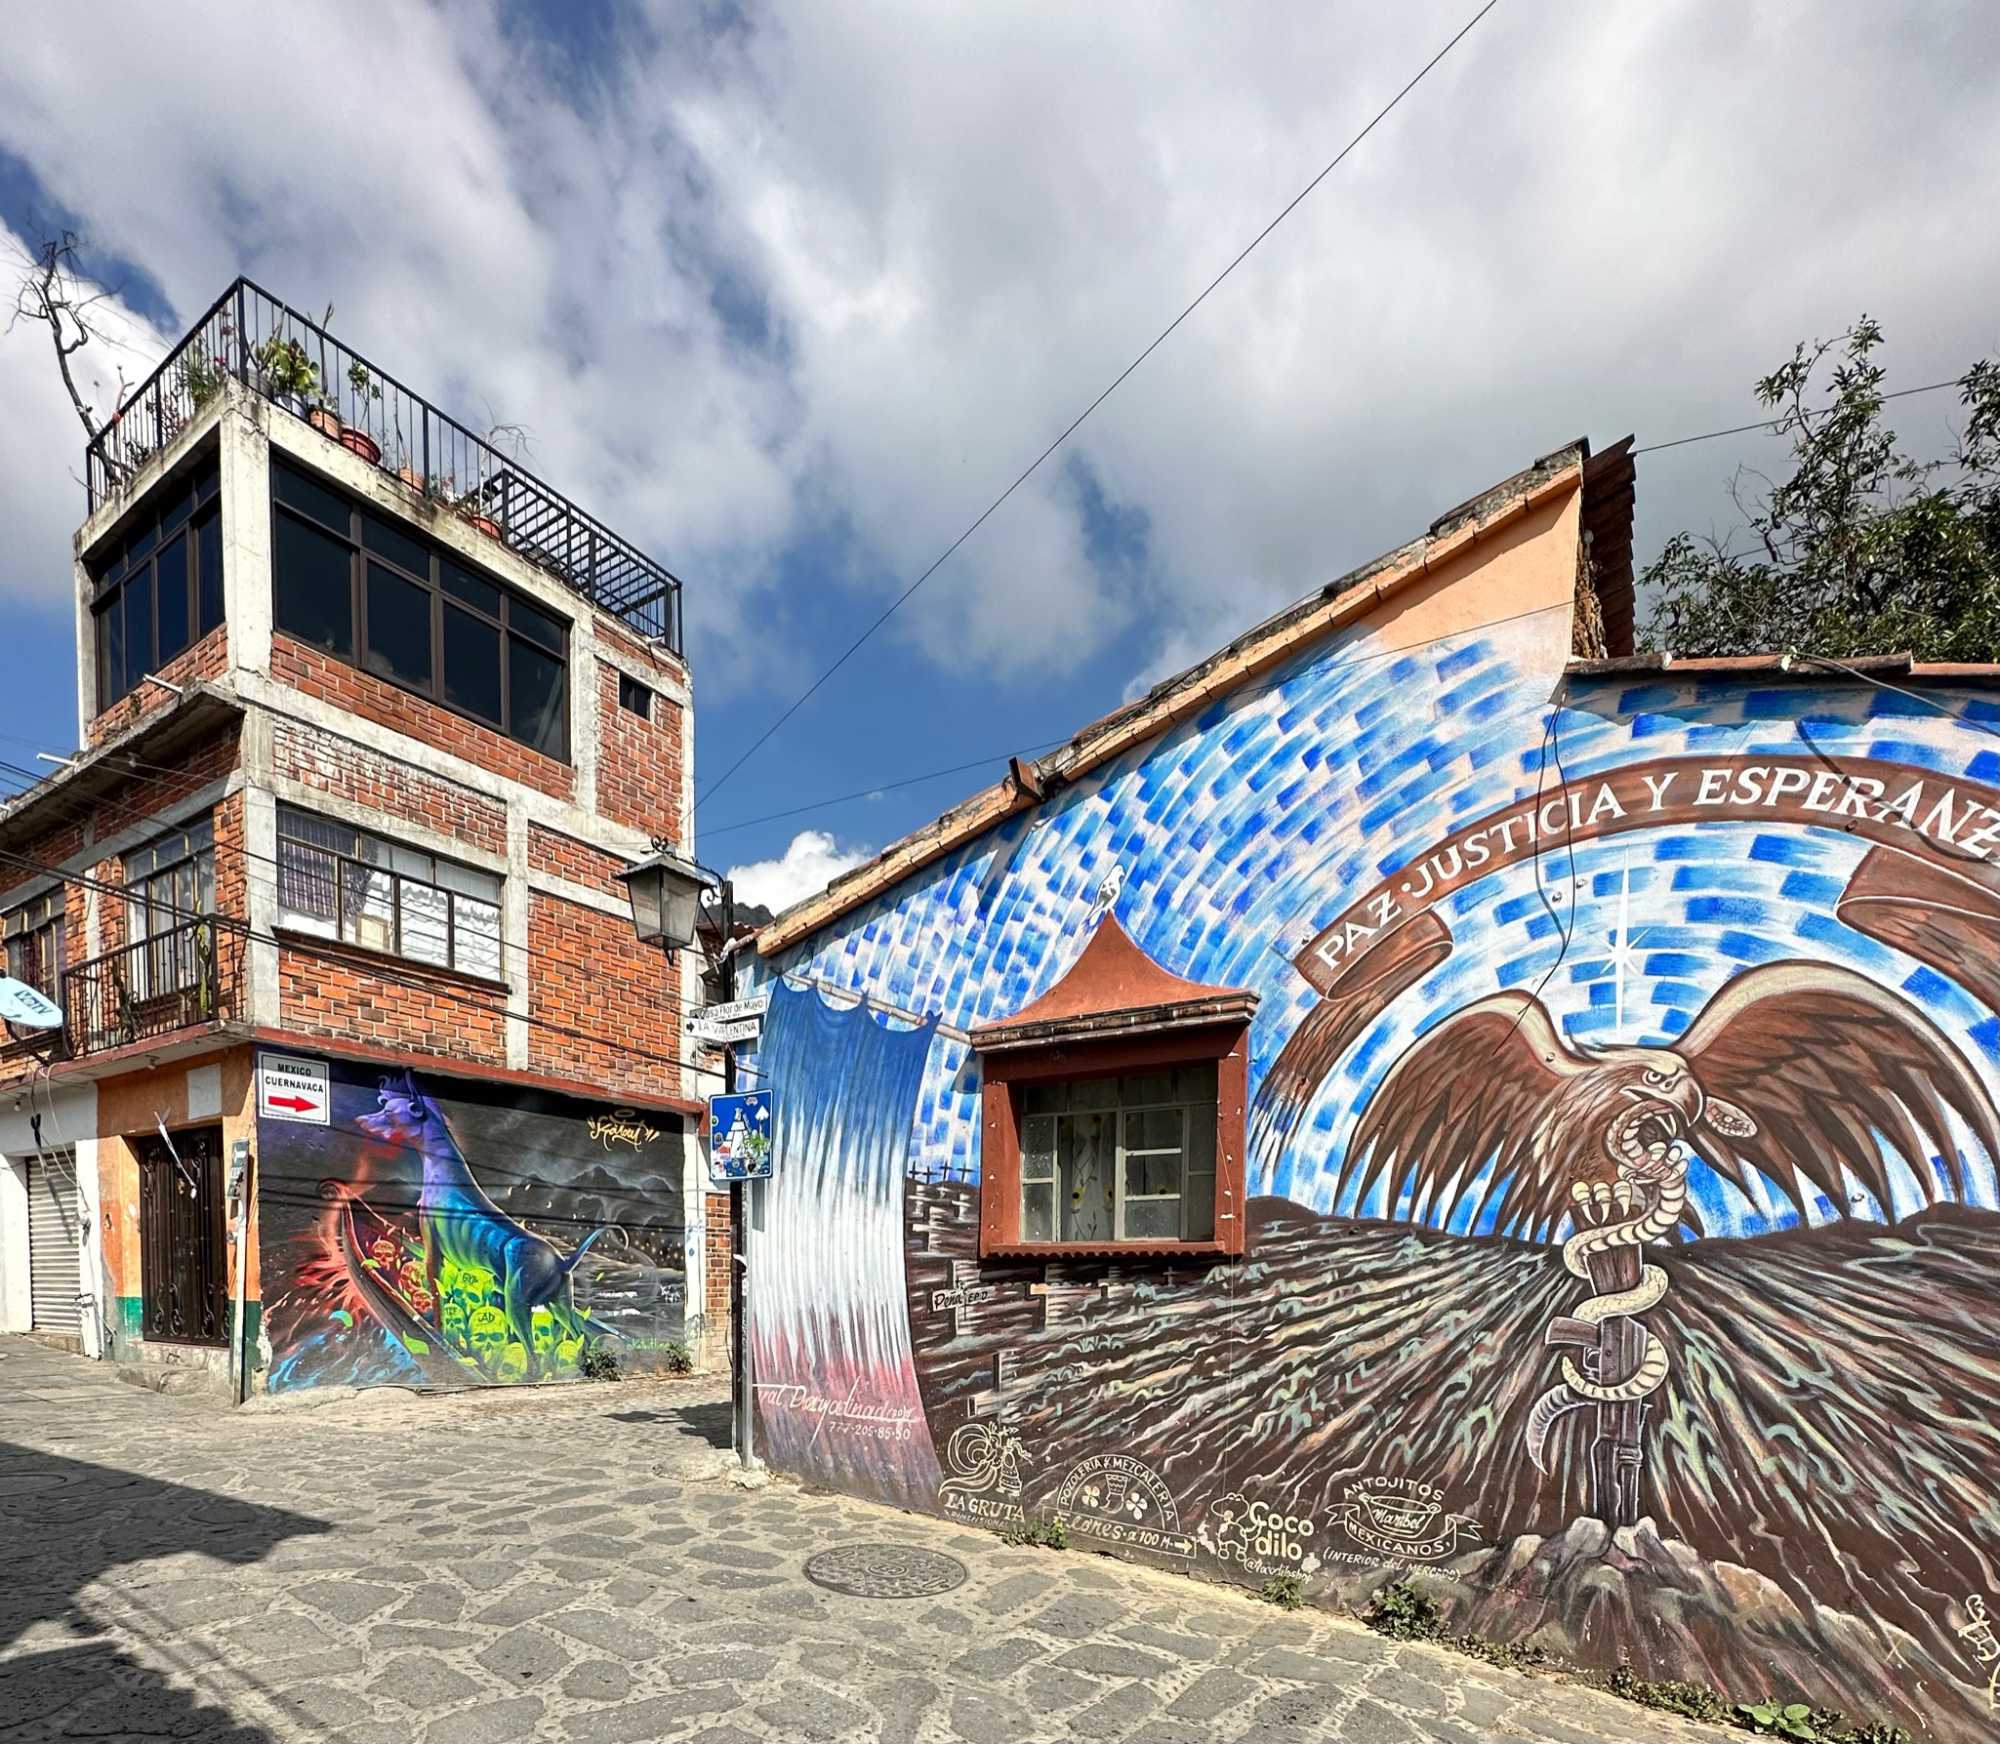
(486, 524)
(411, 477)
(325, 421)
(358, 441)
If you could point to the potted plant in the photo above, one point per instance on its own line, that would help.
(287, 375)
(203, 377)
(354, 437)
(471, 509)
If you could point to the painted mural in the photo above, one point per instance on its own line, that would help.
(1622, 1150)
(439, 1233)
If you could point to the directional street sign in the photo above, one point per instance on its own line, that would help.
(732, 1010)
(289, 1088)
(743, 1029)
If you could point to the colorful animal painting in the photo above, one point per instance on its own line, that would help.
(438, 1234)
(1622, 1155)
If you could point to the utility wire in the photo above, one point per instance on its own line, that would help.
(901, 599)
(1773, 423)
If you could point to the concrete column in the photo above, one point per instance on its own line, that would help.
(246, 531)
(515, 963)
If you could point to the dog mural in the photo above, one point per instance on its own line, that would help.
(465, 1236)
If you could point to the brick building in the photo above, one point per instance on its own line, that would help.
(372, 718)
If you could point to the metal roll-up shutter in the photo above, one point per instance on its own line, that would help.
(55, 1243)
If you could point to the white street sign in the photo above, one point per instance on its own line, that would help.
(292, 1089)
(730, 1011)
(744, 1029)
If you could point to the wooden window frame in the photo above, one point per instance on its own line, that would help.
(1006, 1074)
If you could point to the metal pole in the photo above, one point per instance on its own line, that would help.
(739, 1202)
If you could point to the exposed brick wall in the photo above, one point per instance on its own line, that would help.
(344, 998)
(638, 761)
(318, 674)
(208, 658)
(331, 764)
(559, 856)
(591, 973)
(718, 1250)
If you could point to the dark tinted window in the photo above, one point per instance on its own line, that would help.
(170, 588)
(399, 628)
(312, 587)
(208, 541)
(471, 664)
(428, 622)
(635, 696)
(535, 695)
(160, 588)
(310, 497)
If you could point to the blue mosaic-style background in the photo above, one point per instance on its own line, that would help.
(1244, 831)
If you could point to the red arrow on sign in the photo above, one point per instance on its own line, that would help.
(295, 1102)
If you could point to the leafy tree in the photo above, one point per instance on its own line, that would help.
(1862, 549)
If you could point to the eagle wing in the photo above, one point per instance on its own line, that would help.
(1831, 1069)
(1474, 1088)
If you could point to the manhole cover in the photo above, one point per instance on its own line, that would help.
(885, 1571)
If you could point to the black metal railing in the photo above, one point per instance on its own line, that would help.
(251, 337)
(188, 974)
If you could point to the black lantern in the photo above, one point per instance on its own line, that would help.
(666, 893)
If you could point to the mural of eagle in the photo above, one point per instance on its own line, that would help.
(1807, 1073)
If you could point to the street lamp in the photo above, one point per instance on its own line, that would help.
(666, 892)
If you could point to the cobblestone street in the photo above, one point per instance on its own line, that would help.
(568, 1566)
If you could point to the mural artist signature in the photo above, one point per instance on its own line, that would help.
(1984, 1646)
(852, 1413)
(621, 1126)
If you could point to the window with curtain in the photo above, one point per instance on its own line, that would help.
(370, 592)
(34, 942)
(169, 885)
(339, 882)
(1129, 1158)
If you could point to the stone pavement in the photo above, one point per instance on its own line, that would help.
(566, 1565)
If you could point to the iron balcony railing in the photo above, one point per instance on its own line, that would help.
(188, 974)
(249, 336)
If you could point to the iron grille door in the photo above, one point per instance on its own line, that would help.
(183, 1251)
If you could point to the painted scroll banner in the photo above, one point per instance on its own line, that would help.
(1931, 887)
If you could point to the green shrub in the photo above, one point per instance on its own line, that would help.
(599, 1362)
(1047, 1534)
(1286, 1591)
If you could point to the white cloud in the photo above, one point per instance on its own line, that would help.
(851, 268)
(809, 862)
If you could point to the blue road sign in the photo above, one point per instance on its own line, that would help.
(739, 1137)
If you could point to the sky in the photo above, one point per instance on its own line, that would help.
(788, 293)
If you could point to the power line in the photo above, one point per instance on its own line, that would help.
(1773, 423)
(901, 599)
(382, 972)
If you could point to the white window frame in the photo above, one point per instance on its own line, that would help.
(1042, 1166)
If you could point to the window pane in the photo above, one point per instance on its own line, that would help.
(1094, 1093)
(1038, 1147)
(475, 590)
(468, 882)
(1085, 1152)
(204, 881)
(471, 664)
(395, 544)
(412, 863)
(368, 907)
(208, 561)
(1153, 1220)
(312, 588)
(1038, 1212)
(426, 924)
(111, 650)
(321, 832)
(138, 625)
(1046, 1098)
(207, 484)
(399, 629)
(1141, 1088)
(141, 541)
(306, 886)
(1156, 1129)
(1148, 1177)
(175, 513)
(477, 940)
(1200, 1202)
(635, 696)
(310, 497)
(170, 573)
(526, 620)
(536, 698)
